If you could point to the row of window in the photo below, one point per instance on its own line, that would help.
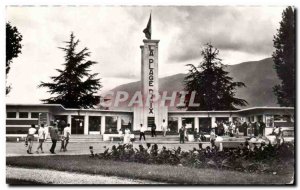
(22, 114)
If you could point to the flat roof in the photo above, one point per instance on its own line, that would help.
(128, 111)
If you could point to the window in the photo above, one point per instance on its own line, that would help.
(173, 124)
(111, 125)
(35, 114)
(126, 122)
(151, 121)
(94, 123)
(205, 124)
(11, 114)
(23, 115)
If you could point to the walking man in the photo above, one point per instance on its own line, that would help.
(164, 127)
(153, 128)
(142, 132)
(42, 137)
(54, 137)
(66, 137)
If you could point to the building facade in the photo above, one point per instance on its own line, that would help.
(19, 117)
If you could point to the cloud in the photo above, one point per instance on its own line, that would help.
(241, 29)
(114, 34)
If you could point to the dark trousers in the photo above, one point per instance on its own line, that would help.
(142, 135)
(153, 133)
(181, 138)
(53, 145)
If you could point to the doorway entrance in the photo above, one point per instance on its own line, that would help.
(77, 125)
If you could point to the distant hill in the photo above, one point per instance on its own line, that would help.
(259, 77)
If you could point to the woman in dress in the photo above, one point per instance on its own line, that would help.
(127, 136)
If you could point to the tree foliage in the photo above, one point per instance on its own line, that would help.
(13, 47)
(284, 58)
(74, 87)
(215, 90)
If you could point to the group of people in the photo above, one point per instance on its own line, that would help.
(164, 127)
(229, 128)
(43, 133)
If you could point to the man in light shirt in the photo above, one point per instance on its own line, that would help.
(66, 137)
(164, 127)
(42, 137)
(142, 132)
(30, 138)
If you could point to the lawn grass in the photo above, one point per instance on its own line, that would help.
(162, 173)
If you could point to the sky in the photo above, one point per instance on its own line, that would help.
(114, 34)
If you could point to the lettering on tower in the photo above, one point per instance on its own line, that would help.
(151, 78)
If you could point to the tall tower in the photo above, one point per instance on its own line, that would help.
(151, 111)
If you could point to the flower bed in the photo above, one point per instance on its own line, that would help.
(267, 158)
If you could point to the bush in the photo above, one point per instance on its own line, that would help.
(267, 158)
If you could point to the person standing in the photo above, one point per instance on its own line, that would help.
(30, 138)
(153, 128)
(41, 136)
(256, 128)
(164, 127)
(226, 128)
(54, 137)
(262, 128)
(212, 138)
(127, 136)
(245, 128)
(181, 134)
(142, 132)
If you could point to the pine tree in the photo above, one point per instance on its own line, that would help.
(74, 87)
(13, 47)
(215, 90)
(284, 59)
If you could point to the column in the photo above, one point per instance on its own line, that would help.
(213, 120)
(86, 124)
(230, 119)
(102, 125)
(179, 123)
(48, 118)
(119, 123)
(196, 121)
(255, 118)
(69, 121)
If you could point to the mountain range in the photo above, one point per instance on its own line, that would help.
(259, 77)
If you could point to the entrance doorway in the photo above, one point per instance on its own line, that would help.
(61, 122)
(77, 125)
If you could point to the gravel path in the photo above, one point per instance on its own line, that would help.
(58, 177)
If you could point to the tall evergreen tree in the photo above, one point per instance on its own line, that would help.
(215, 90)
(13, 47)
(74, 87)
(284, 59)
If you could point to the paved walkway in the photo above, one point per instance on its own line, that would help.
(45, 176)
(18, 148)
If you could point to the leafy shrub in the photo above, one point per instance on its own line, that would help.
(267, 158)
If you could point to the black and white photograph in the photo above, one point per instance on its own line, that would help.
(150, 95)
